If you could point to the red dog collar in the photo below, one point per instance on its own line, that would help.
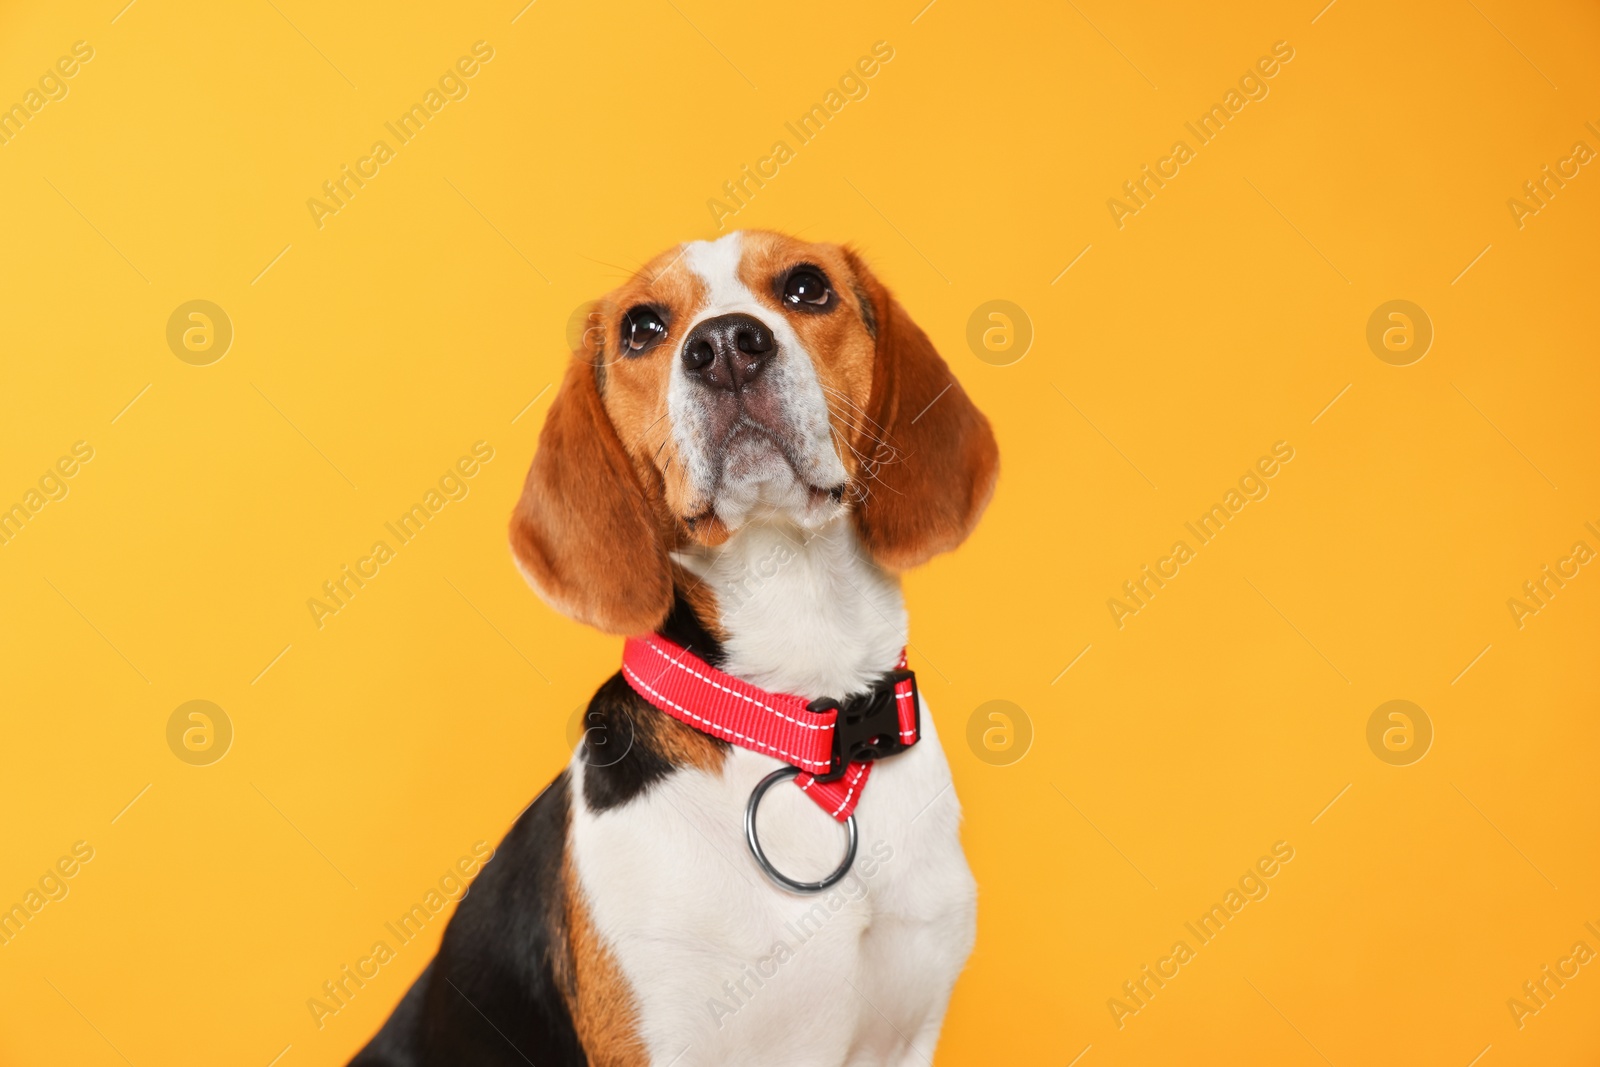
(833, 744)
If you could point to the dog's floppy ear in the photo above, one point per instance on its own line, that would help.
(583, 533)
(933, 465)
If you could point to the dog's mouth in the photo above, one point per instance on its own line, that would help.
(759, 471)
(751, 450)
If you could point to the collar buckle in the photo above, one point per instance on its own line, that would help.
(868, 725)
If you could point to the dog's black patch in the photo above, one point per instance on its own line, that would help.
(684, 627)
(618, 720)
(491, 996)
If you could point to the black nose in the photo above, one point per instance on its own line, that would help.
(728, 351)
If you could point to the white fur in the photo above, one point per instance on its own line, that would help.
(765, 483)
(804, 610)
(677, 896)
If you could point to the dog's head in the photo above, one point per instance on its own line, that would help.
(755, 378)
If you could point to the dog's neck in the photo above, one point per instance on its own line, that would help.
(799, 611)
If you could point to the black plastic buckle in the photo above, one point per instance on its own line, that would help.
(868, 725)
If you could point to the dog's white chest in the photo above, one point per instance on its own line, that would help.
(726, 968)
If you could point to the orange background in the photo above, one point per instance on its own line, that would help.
(431, 312)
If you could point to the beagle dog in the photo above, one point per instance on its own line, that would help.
(750, 445)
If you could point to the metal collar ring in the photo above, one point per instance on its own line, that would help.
(779, 775)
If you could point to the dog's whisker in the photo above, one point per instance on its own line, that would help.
(850, 402)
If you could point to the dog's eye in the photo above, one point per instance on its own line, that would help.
(807, 290)
(641, 328)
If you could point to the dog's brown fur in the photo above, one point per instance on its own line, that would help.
(607, 498)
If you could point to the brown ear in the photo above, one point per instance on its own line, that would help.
(583, 532)
(934, 461)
